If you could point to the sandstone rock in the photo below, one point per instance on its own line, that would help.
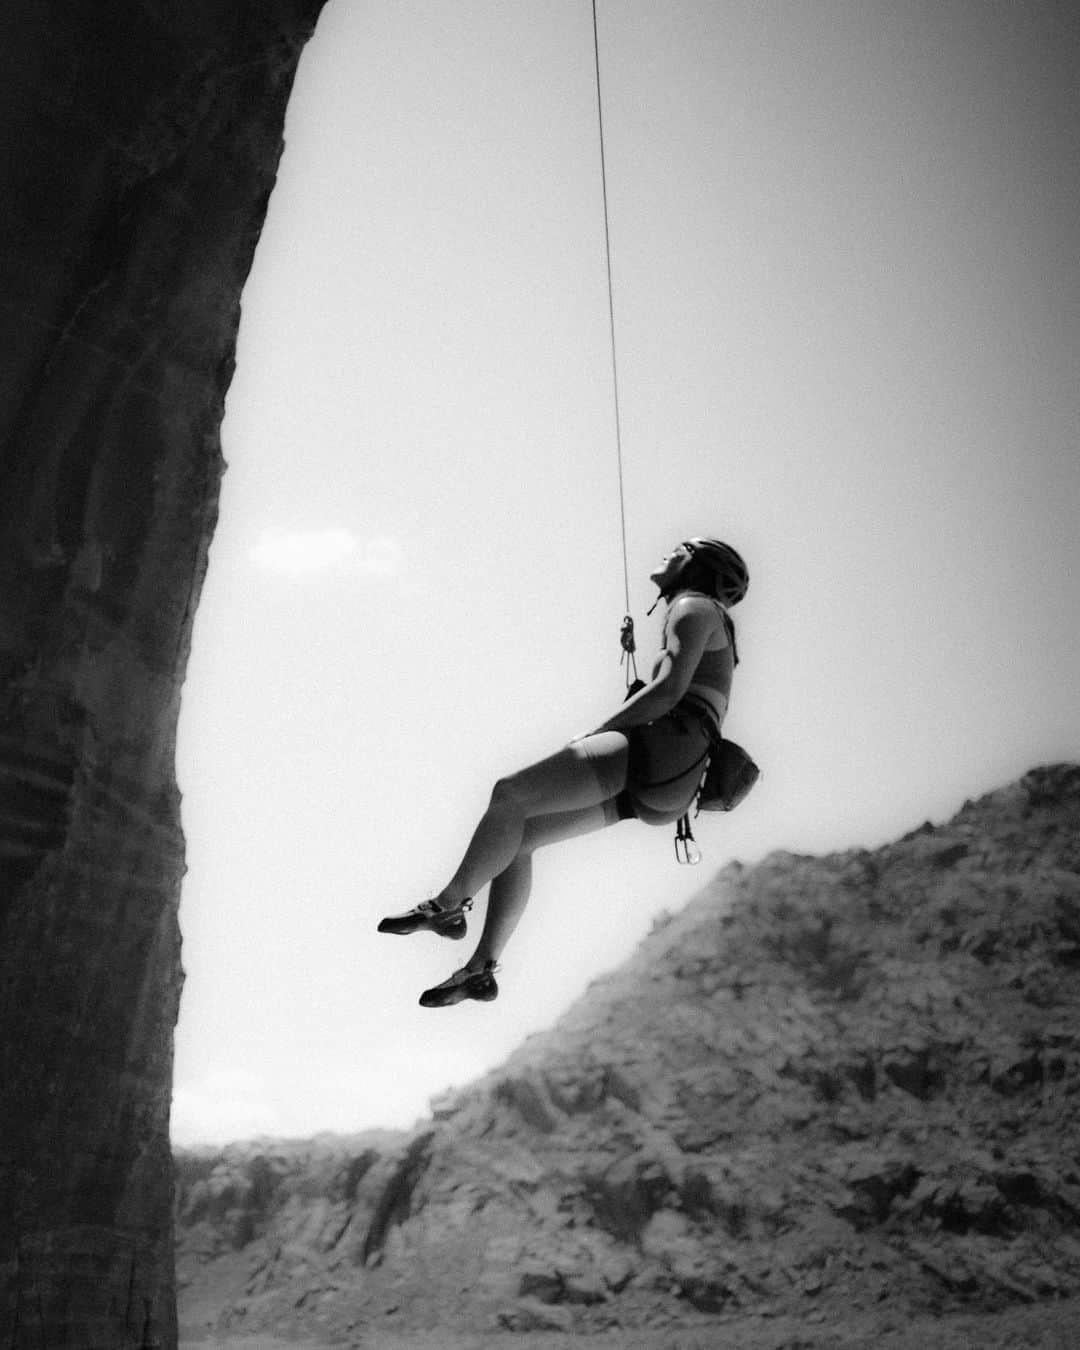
(669, 1237)
(875, 1184)
(542, 1284)
(704, 1288)
(786, 1148)
(617, 1270)
(557, 1286)
(529, 1314)
(915, 1069)
(140, 144)
(627, 1193)
(525, 1094)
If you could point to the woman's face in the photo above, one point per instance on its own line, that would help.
(670, 567)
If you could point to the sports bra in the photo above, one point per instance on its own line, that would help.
(710, 685)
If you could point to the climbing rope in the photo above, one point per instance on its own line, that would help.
(686, 849)
(626, 633)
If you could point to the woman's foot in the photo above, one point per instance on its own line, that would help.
(447, 922)
(463, 984)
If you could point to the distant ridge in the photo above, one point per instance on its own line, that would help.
(839, 1083)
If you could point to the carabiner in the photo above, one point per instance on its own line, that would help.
(686, 849)
(629, 647)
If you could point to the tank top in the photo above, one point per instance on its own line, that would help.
(710, 685)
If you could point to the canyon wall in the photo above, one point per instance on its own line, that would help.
(140, 145)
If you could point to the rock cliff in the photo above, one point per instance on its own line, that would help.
(828, 1083)
(140, 142)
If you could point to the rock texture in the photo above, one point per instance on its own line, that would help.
(828, 1085)
(140, 144)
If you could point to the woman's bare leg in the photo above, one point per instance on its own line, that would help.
(509, 892)
(571, 780)
(507, 898)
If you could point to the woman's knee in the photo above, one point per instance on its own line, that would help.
(522, 793)
(506, 796)
(520, 869)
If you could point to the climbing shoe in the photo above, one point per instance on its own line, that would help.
(446, 922)
(463, 984)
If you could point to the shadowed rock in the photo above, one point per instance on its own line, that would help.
(140, 144)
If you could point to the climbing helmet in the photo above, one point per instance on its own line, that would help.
(732, 576)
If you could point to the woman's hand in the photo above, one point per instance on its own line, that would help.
(690, 626)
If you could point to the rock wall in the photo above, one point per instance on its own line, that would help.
(827, 1088)
(139, 147)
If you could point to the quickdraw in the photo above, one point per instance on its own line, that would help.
(686, 850)
(628, 659)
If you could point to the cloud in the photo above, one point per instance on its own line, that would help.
(223, 1106)
(299, 553)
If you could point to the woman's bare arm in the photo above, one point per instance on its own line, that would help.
(690, 626)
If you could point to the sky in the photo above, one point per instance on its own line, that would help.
(846, 267)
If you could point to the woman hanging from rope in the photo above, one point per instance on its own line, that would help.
(644, 762)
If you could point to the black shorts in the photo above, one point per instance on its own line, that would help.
(667, 760)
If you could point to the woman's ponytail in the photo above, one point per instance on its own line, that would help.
(729, 624)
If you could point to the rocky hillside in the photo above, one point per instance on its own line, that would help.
(840, 1082)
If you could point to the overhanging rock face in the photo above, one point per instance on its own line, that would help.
(138, 146)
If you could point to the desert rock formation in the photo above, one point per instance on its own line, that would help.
(140, 145)
(828, 1083)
